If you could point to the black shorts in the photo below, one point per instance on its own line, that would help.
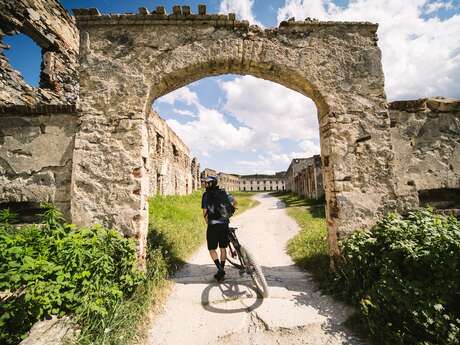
(217, 234)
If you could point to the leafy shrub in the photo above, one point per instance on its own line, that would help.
(404, 274)
(55, 268)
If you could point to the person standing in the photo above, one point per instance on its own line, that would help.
(217, 208)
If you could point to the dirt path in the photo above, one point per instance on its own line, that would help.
(200, 311)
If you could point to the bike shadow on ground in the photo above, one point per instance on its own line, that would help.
(284, 282)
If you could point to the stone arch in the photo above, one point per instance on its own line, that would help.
(127, 61)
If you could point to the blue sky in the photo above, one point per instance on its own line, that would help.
(231, 124)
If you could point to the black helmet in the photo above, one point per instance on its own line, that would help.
(211, 180)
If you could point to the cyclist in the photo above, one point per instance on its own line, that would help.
(217, 207)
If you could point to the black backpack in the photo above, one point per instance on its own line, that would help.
(219, 206)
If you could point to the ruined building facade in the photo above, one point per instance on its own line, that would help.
(308, 182)
(172, 170)
(229, 182)
(263, 183)
(82, 140)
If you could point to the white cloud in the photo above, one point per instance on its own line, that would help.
(308, 147)
(211, 132)
(263, 165)
(242, 9)
(420, 54)
(184, 94)
(184, 112)
(266, 113)
(271, 162)
(438, 5)
(273, 111)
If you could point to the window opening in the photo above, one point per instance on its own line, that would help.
(25, 56)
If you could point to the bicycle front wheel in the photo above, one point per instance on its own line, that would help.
(255, 271)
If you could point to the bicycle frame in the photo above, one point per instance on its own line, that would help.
(234, 247)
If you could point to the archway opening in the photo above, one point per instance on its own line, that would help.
(256, 136)
(238, 126)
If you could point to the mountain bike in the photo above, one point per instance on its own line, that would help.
(247, 263)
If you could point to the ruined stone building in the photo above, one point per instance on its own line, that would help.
(297, 165)
(261, 182)
(247, 183)
(82, 138)
(172, 170)
(308, 182)
(208, 173)
(229, 182)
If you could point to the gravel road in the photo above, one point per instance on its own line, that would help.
(200, 311)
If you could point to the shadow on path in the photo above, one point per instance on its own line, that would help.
(300, 286)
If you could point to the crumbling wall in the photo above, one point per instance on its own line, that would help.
(36, 159)
(38, 125)
(170, 168)
(426, 144)
(54, 30)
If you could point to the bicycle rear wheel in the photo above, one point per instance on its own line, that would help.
(255, 271)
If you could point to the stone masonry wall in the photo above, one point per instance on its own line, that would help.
(229, 182)
(36, 159)
(170, 169)
(426, 143)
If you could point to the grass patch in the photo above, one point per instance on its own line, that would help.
(309, 247)
(245, 201)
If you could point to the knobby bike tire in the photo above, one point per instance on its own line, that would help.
(257, 276)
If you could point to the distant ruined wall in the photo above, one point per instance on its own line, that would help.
(229, 182)
(426, 144)
(38, 125)
(171, 171)
(258, 182)
(297, 165)
(309, 181)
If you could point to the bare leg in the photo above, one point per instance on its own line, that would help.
(213, 254)
(223, 254)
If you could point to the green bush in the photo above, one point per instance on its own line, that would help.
(55, 268)
(404, 274)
